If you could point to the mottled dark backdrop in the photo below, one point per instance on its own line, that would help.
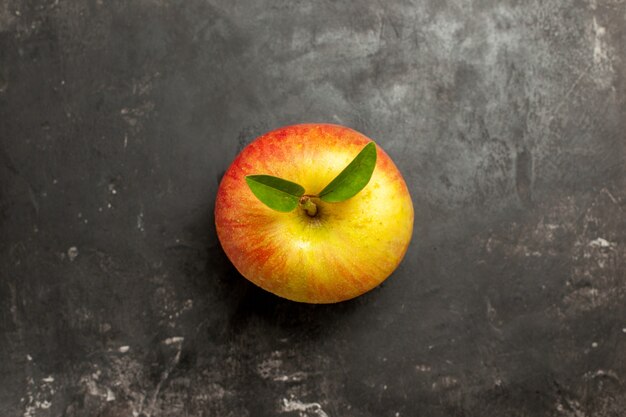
(117, 119)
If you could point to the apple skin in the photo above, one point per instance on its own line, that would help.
(347, 249)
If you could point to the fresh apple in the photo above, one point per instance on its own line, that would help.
(311, 213)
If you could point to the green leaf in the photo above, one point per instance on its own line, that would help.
(274, 192)
(353, 178)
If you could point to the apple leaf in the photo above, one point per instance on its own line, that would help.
(353, 178)
(276, 193)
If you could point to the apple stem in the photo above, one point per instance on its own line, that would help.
(308, 206)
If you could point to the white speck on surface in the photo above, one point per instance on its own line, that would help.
(55, 181)
(302, 244)
(123, 349)
(110, 395)
(292, 404)
(30, 358)
(112, 189)
(445, 382)
(624, 330)
(80, 215)
(173, 340)
(594, 345)
(48, 379)
(601, 243)
(338, 119)
(125, 141)
(72, 253)
(109, 205)
(45, 405)
(422, 368)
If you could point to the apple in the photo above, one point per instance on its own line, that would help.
(312, 249)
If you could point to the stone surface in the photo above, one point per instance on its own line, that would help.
(117, 119)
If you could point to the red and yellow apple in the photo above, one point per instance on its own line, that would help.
(345, 249)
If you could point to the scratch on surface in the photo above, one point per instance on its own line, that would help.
(38, 397)
(178, 342)
(271, 368)
(599, 48)
(140, 224)
(601, 55)
(571, 89)
(304, 409)
(523, 175)
(611, 197)
(601, 373)
(573, 408)
(296, 376)
(174, 340)
(396, 31)
(13, 308)
(601, 243)
(491, 314)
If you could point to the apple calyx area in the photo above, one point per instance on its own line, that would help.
(284, 196)
(309, 207)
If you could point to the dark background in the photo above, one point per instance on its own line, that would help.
(118, 118)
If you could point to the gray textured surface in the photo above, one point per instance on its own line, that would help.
(507, 119)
